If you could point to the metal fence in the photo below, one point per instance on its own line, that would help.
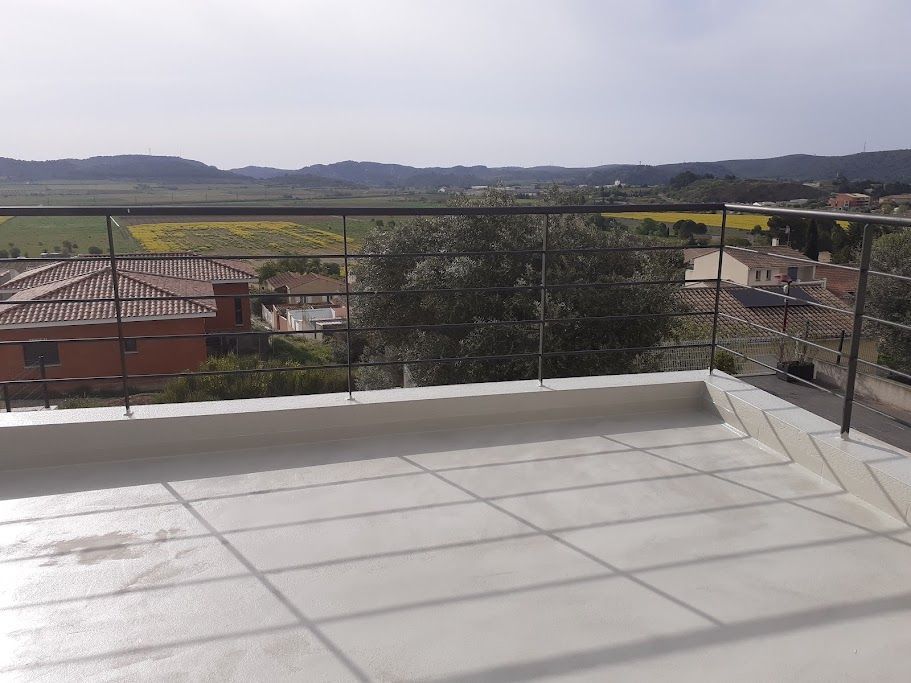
(702, 352)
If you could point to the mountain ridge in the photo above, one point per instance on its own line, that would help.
(886, 166)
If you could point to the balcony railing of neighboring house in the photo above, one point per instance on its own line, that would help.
(855, 317)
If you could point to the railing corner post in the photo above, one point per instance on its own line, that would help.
(118, 312)
(724, 217)
(347, 308)
(543, 311)
(857, 329)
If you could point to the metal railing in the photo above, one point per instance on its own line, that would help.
(542, 288)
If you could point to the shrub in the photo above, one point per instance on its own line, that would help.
(256, 384)
(727, 362)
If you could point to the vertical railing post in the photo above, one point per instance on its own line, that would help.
(42, 366)
(724, 218)
(118, 312)
(7, 404)
(347, 307)
(857, 328)
(841, 347)
(543, 311)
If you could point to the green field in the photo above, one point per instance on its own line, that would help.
(34, 235)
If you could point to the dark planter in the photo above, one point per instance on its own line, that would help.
(801, 369)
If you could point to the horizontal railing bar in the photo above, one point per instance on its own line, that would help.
(815, 386)
(364, 292)
(627, 349)
(361, 364)
(813, 213)
(386, 328)
(891, 323)
(883, 367)
(841, 266)
(338, 211)
(783, 372)
(314, 255)
(907, 278)
(780, 333)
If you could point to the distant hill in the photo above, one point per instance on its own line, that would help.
(885, 166)
(746, 191)
(139, 167)
(894, 165)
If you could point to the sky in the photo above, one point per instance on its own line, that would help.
(290, 83)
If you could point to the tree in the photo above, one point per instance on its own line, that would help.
(890, 299)
(95, 251)
(649, 226)
(15, 252)
(518, 299)
(686, 228)
(811, 251)
(297, 265)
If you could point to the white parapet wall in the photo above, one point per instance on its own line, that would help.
(46, 438)
(876, 472)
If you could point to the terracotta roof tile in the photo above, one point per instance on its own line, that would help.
(765, 257)
(842, 283)
(196, 268)
(823, 323)
(99, 285)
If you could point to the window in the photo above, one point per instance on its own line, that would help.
(758, 275)
(131, 345)
(238, 311)
(768, 275)
(33, 351)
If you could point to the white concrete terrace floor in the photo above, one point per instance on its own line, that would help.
(666, 546)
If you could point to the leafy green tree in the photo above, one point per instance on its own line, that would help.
(649, 226)
(687, 228)
(518, 299)
(890, 299)
(297, 265)
(15, 252)
(95, 251)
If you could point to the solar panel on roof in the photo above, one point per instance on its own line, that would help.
(759, 298)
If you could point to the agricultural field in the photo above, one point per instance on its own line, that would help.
(33, 234)
(236, 237)
(737, 221)
(712, 220)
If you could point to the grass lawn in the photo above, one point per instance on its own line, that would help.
(34, 235)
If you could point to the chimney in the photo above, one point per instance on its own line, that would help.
(774, 241)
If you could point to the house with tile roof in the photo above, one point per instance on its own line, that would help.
(750, 317)
(751, 266)
(180, 304)
(307, 288)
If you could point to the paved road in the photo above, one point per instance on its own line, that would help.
(830, 407)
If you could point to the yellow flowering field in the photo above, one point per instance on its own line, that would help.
(738, 221)
(245, 237)
(735, 220)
